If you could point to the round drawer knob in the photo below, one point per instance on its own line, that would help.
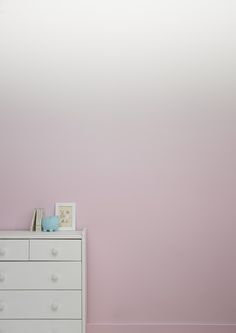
(55, 306)
(2, 252)
(2, 307)
(54, 277)
(2, 277)
(54, 252)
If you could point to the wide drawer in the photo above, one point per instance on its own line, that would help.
(55, 250)
(40, 275)
(40, 326)
(14, 250)
(40, 304)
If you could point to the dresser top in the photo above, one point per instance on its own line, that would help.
(23, 234)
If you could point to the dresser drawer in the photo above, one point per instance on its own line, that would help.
(55, 250)
(14, 250)
(40, 275)
(40, 326)
(40, 304)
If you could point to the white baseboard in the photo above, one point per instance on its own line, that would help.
(160, 328)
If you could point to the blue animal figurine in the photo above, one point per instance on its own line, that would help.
(50, 223)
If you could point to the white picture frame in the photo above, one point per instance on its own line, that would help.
(66, 211)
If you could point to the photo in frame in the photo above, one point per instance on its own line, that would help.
(66, 211)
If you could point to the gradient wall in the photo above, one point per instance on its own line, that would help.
(128, 109)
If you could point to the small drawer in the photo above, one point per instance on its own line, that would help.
(41, 326)
(40, 275)
(68, 250)
(27, 304)
(14, 250)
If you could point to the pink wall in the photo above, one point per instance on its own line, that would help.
(129, 111)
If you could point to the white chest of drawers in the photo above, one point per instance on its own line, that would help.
(42, 282)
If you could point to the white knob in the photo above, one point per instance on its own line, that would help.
(54, 306)
(2, 277)
(54, 252)
(2, 306)
(54, 277)
(2, 252)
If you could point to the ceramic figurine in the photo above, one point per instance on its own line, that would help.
(50, 223)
